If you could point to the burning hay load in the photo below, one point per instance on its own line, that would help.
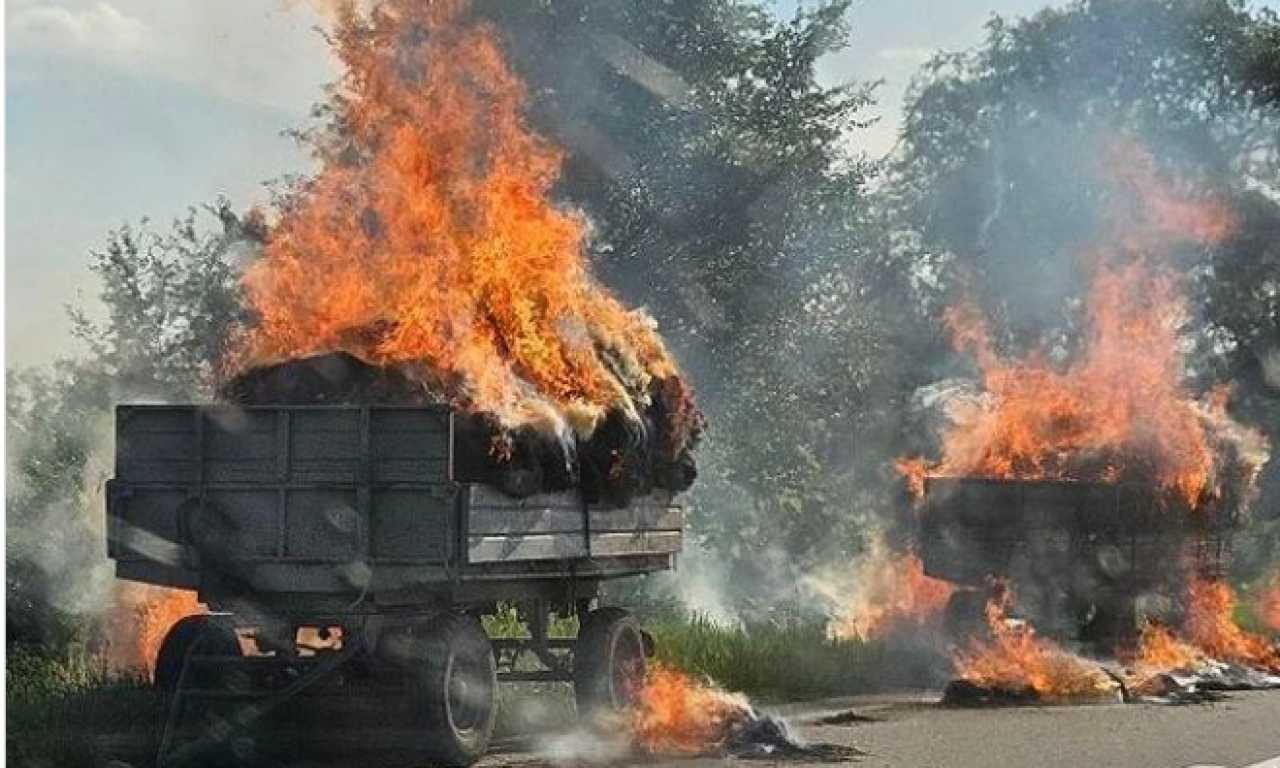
(427, 262)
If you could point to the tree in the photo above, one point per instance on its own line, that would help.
(171, 301)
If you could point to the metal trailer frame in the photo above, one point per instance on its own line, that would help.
(350, 517)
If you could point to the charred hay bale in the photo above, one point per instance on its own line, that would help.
(961, 693)
(624, 457)
(518, 462)
(336, 378)
(615, 461)
(675, 427)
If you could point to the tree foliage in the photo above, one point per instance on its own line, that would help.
(169, 301)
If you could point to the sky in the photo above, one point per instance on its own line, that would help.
(123, 109)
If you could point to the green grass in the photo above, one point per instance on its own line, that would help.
(68, 710)
(785, 660)
(774, 660)
(507, 623)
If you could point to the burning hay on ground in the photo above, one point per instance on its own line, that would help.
(1170, 670)
(1016, 665)
(427, 262)
(1210, 625)
(678, 715)
(681, 716)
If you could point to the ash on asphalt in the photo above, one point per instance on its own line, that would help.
(766, 737)
(846, 717)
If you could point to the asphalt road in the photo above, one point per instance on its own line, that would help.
(911, 732)
(1241, 731)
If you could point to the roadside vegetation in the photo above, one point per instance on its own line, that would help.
(70, 710)
(782, 661)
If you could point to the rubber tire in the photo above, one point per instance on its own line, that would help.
(200, 634)
(964, 617)
(608, 662)
(457, 644)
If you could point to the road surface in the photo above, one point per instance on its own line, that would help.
(907, 732)
(1241, 731)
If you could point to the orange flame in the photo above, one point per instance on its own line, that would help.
(1211, 626)
(1016, 659)
(679, 715)
(429, 238)
(893, 593)
(140, 620)
(1120, 408)
(1161, 650)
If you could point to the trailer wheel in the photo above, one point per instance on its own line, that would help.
(964, 617)
(461, 680)
(191, 634)
(608, 661)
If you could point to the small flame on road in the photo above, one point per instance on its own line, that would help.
(680, 715)
(1017, 660)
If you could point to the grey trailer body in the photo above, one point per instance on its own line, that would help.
(326, 507)
(1086, 560)
(338, 544)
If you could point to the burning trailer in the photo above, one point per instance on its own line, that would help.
(1085, 498)
(349, 525)
(433, 409)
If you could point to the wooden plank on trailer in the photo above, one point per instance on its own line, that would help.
(517, 520)
(637, 543)
(637, 518)
(486, 497)
(537, 546)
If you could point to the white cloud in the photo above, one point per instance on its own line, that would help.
(258, 52)
(98, 31)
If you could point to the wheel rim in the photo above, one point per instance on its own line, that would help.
(627, 674)
(466, 695)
